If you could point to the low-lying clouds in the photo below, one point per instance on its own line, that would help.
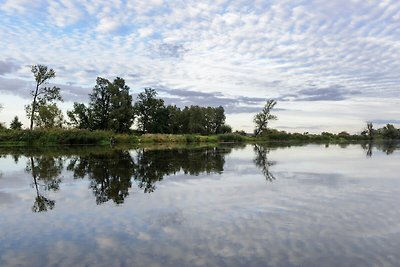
(298, 51)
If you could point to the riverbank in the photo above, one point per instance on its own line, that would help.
(55, 137)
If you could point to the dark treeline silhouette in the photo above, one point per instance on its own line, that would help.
(111, 108)
(389, 132)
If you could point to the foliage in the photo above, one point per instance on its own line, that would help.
(110, 108)
(15, 124)
(233, 138)
(390, 132)
(264, 117)
(48, 116)
(41, 95)
(151, 112)
(64, 137)
(80, 117)
(154, 117)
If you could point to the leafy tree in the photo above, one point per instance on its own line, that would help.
(100, 103)
(15, 124)
(370, 130)
(390, 132)
(110, 107)
(174, 119)
(48, 116)
(219, 121)
(264, 117)
(41, 95)
(148, 108)
(81, 116)
(1, 125)
(122, 112)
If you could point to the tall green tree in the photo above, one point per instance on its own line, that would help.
(48, 116)
(148, 109)
(100, 103)
(122, 112)
(264, 117)
(15, 124)
(370, 130)
(110, 107)
(81, 116)
(41, 94)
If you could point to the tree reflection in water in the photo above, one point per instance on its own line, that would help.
(262, 162)
(154, 165)
(387, 146)
(45, 172)
(111, 173)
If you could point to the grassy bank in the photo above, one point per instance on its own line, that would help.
(62, 137)
(85, 137)
(55, 137)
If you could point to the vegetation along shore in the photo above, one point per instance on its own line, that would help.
(111, 114)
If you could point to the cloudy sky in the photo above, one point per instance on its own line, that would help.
(332, 65)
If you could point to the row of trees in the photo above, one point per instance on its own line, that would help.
(111, 107)
(389, 131)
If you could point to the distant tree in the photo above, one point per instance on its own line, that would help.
(174, 119)
(264, 117)
(370, 130)
(343, 134)
(15, 124)
(41, 95)
(81, 116)
(110, 107)
(226, 129)
(148, 108)
(1, 125)
(390, 132)
(219, 121)
(100, 103)
(49, 116)
(122, 112)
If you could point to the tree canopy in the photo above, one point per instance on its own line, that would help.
(42, 95)
(264, 117)
(15, 124)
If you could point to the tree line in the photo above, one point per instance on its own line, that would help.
(111, 107)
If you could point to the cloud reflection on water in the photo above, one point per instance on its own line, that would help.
(324, 217)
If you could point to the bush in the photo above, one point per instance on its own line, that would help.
(232, 138)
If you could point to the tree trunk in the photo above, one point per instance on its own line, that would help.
(34, 106)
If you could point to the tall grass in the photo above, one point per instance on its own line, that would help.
(63, 137)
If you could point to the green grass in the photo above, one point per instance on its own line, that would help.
(63, 137)
(54, 137)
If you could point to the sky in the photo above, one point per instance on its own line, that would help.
(331, 65)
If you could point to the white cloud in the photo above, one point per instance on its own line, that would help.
(268, 49)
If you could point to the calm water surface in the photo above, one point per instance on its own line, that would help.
(249, 205)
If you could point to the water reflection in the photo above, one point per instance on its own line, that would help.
(112, 172)
(386, 146)
(109, 174)
(327, 205)
(262, 162)
(45, 171)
